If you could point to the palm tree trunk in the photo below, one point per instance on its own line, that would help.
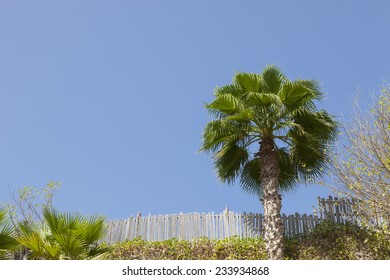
(272, 203)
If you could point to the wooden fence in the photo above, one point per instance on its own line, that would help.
(195, 225)
(225, 224)
(341, 210)
(337, 210)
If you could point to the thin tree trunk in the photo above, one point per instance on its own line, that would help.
(271, 199)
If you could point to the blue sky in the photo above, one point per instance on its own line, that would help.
(107, 96)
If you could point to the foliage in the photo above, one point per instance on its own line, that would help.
(362, 165)
(268, 105)
(332, 241)
(63, 236)
(381, 242)
(196, 249)
(7, 234)
(41, 232)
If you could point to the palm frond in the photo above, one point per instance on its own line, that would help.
(27, 227)
(273, 78)
(54, 220)
(217, 133)
(97, 252)
(94, 229)
(224, 103)
(52, 250)
(34, 242)
(258, 99)
(309, 151)
(312, 86)
(321, 124)
(248, 82)
(7, 232)
(228, 162)
(289, 179)
(296, 94)
(7, 241)
(71, 244)
(250, 178)
(233, 89)
(242, 117)
(3, 216)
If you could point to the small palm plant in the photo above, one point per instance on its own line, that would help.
(7, 235)
(64, 236)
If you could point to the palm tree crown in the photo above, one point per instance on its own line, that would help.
(263, 106)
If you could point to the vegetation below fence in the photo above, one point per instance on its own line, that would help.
(335, 241)
(327, 241)
(196, 249)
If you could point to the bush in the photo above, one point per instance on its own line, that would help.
(197, 249)
(380, 244)
(332, 241)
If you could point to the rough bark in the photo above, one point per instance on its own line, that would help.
(271, 199)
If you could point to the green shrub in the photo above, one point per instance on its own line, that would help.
(328, 241)
(332, 241)
(380, 243)
(197, 249)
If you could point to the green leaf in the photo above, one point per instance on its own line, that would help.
(273, 79)
(250, 177)
(263, 99)
(248, 82)
(225, 103)
(229, 161)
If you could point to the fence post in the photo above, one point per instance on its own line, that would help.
(226, 222)
(331, 209)
(181, 226)
(137, 225)
(245, 224)
(337, 209)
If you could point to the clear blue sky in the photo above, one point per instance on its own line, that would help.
(106, 96)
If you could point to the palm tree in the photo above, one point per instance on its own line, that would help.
(63, 236)
(293, 136)
(7, 235)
